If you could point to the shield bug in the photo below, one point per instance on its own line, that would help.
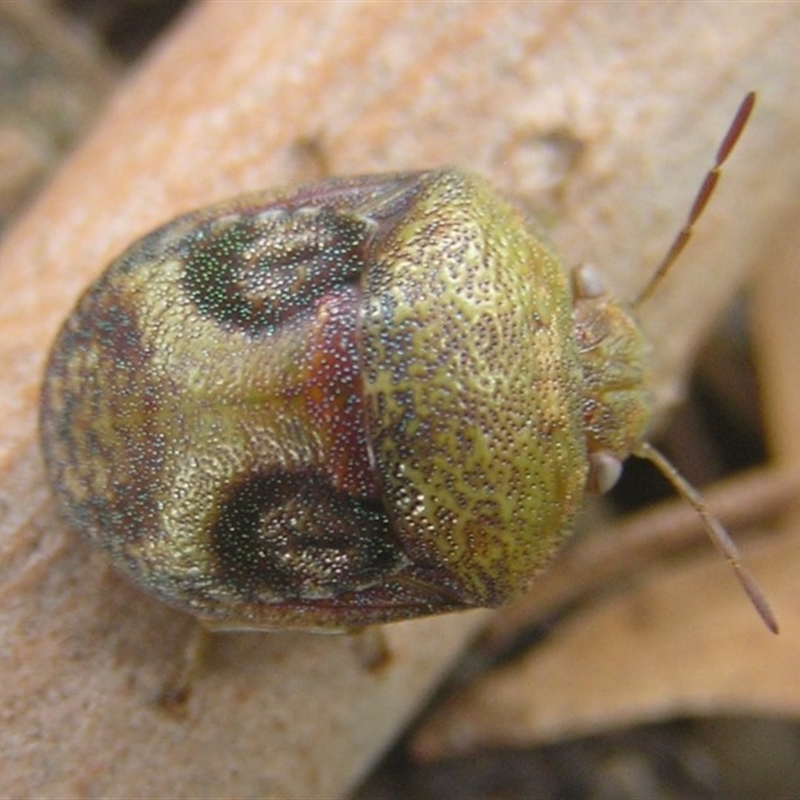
(357, 401)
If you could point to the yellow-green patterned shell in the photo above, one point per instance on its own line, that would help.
(353, 402)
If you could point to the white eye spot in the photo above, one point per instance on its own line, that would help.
(604, 472)
(588, 282)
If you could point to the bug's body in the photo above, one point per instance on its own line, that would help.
(360, 401)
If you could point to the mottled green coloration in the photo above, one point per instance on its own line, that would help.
(359, 401)
(478, 435)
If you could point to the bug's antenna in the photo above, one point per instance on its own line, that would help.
(703, 196)
(718, 535)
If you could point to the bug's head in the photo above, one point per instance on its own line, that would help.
(617, 400)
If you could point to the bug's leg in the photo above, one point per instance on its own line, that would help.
(372, 648)
(311, 157)
(175, 693)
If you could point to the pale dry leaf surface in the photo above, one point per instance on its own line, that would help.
(580, 111)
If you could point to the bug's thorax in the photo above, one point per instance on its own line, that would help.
(614, 355)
